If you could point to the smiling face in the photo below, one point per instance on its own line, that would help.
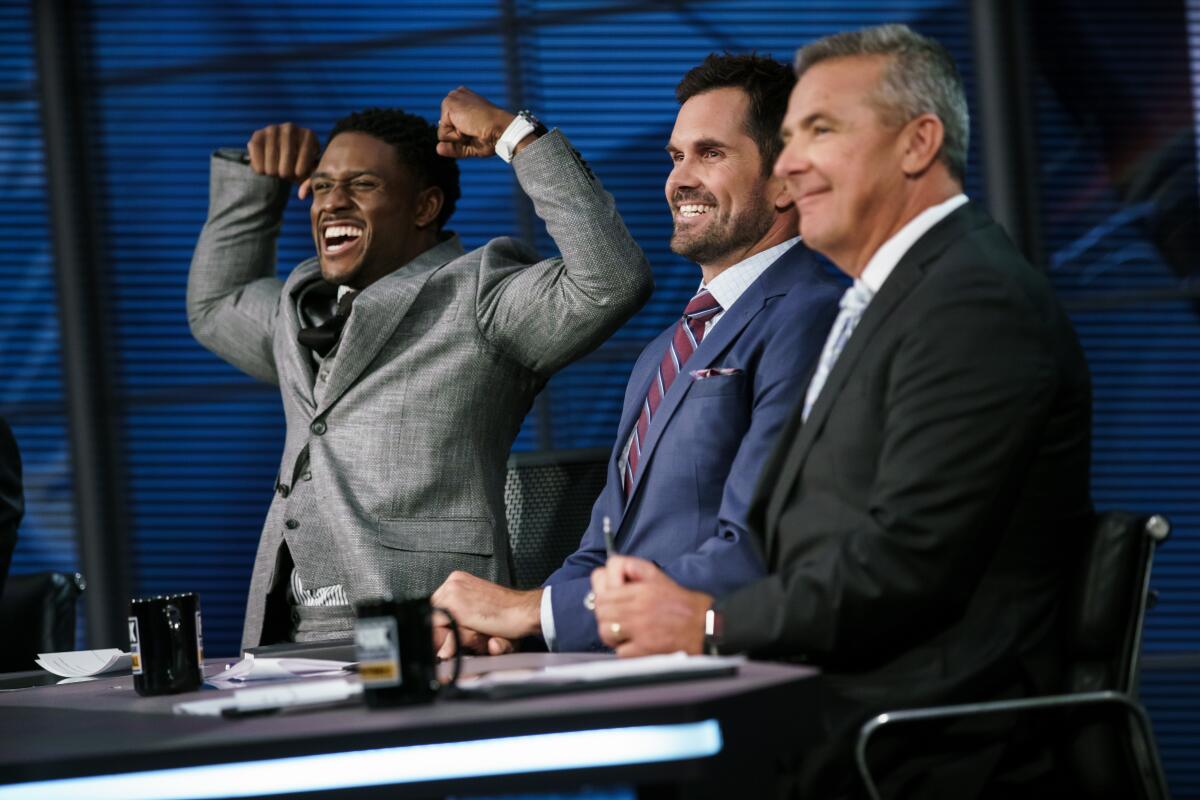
(364, 211)
(721, 202)
(844, 166)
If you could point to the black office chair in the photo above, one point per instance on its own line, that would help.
(1102, 733)
(37, 615)
(548, 498)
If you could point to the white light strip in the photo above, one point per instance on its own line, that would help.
(544, 752)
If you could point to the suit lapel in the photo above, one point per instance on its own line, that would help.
(775, 280)
(377, 313)
(907, 274)
(644, 372)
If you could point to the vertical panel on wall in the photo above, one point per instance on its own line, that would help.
(31, 395)
(608, 79)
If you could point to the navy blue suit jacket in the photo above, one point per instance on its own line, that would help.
(706, 443)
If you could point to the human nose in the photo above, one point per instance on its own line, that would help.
(334, 197)
(792, 159)
(682, 176)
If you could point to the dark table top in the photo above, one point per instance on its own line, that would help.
(104, 727)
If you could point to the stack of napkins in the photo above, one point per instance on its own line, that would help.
(84, 663)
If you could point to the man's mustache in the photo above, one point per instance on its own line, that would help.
(680, 197)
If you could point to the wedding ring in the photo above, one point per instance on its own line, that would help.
(615, 628)
(589, 601)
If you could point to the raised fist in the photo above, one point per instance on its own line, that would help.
(284, 151)
(470, 125)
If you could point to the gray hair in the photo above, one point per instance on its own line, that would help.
(920, 78)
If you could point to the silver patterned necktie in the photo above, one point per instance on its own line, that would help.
(853, 303)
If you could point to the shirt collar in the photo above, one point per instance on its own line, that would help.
(732, 282)
(890, 252)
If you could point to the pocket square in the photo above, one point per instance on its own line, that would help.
(713, 372)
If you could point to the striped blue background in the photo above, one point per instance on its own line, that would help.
(169, 82)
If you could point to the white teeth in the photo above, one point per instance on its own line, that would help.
(342, 230)
(694, 210)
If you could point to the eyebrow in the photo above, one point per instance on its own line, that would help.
(351, 176)
(701, 144)
(812, 118)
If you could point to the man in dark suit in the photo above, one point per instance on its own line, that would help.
(691, 435)
(920, 508)
(12, 500)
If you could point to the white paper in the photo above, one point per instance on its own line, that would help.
(605, 670)
(84, 663)
(270, 698)
(251, 669)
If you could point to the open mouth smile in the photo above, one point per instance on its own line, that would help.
(339, 237)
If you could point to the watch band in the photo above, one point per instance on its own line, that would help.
(522, 125)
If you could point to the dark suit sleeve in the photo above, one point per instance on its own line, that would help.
(961, 400)
(574, 625)
(12, 498)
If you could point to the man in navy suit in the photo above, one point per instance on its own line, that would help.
(709, 395)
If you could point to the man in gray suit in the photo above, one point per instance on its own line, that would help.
(406, 365)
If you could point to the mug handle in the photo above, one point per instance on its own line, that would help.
(457, 646)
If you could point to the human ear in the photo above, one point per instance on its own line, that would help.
(777, 191)
(428, 206)
(922, 139)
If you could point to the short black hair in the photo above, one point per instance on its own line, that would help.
(415, 142)
(765, 81)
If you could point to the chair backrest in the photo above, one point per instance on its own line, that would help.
(37, 615)
(1107, 756)
(1108, 601)
(548, 498)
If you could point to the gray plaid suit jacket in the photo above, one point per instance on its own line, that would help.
(437, 366)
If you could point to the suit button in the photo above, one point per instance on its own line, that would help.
(291, 524)
(283, 490)
(318, 427)
(306, 476)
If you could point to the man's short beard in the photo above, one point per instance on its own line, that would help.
(719, 242)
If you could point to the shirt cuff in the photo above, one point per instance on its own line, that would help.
(548, 618)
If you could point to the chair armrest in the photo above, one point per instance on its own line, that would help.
(1044, 702)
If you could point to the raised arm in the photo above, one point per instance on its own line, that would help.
(547, 314)
(233, 291)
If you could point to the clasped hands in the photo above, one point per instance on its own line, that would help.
(639, 611)
(469, 126)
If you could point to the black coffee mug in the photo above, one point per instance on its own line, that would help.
(396, 662)
(166, 643)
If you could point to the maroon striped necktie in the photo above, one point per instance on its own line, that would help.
(688, 334)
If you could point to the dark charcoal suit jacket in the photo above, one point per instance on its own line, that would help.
(918, 525)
